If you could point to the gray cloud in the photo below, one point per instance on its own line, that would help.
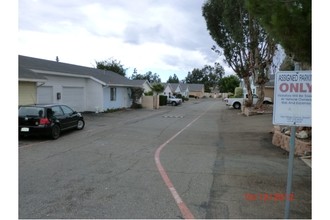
(176, 23)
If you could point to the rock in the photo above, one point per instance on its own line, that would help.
(285, 129)
(287, 132)
(302, 134)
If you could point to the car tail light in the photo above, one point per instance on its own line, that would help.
(44, 121)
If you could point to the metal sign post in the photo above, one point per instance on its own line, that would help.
(290, 172)
(292, 107)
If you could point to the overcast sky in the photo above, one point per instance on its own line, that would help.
(162, 36)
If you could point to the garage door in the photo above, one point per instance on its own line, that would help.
(74, 97)
(45, 95)
(27, 93)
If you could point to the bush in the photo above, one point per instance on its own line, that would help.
(136, 106)
(150, 93)
(238, 92)
(162, 100)
(110, 110)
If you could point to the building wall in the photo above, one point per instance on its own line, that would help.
(94, 96)
(167, 91)
(146, 88)
(122, 99)
(27, 93)
(61, 83)
(198, 94)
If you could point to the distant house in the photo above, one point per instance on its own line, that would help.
(176, 88)
(83, 88)
(269, 87)
(196, 90)
(184, 89)
(142, 83)
(168, 90)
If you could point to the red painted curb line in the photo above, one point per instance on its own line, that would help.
(182, 206)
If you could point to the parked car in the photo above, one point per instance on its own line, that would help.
(48, 120)
(174, 100)
(236, 103)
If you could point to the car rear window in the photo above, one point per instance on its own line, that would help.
(30, 111)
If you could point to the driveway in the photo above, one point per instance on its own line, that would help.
(213, 161)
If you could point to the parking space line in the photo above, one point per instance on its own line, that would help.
(182, 206)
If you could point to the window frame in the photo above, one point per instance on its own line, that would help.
(113, 93)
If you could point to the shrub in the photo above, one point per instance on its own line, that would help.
(150, 93)
(162, 100)
(136, 106)
(238, 92)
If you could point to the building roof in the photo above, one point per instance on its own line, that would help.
(196, 87)
(184, 86)
(139, 82)
(30, 65)
(174, 86)
(30, 76)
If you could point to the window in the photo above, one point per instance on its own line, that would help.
(67, 110)
(112, 94)
(57, 111)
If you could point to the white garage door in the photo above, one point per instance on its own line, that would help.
(45, 95)
(74, 97)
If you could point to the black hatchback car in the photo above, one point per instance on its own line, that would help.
(48, 120)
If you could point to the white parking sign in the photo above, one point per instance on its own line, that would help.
(293, 98)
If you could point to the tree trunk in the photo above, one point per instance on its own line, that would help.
(248, 102)
(261, 96)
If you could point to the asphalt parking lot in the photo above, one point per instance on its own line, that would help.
(221, 164)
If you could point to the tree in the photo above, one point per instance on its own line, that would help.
(157, 87)
(208, 75)
(195, 76)
(212, 76)
(287, 64)
(151, 77)
(136, 94)
(173, 79)
(111, 65)
(229, 83)
(289, 22)
(247, 48)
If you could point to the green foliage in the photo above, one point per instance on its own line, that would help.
(247, 47)
(136, 94)
(136, 106)
(110, 110)
(150, 93)
(238, 92)
(111, 65)
(229, 83)
(287, 64)
(230, 95)
(173, 79)
(208, 75)
(151, 77)
(228, 22)
(289, 22)
(162, 100)
(157, 87)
